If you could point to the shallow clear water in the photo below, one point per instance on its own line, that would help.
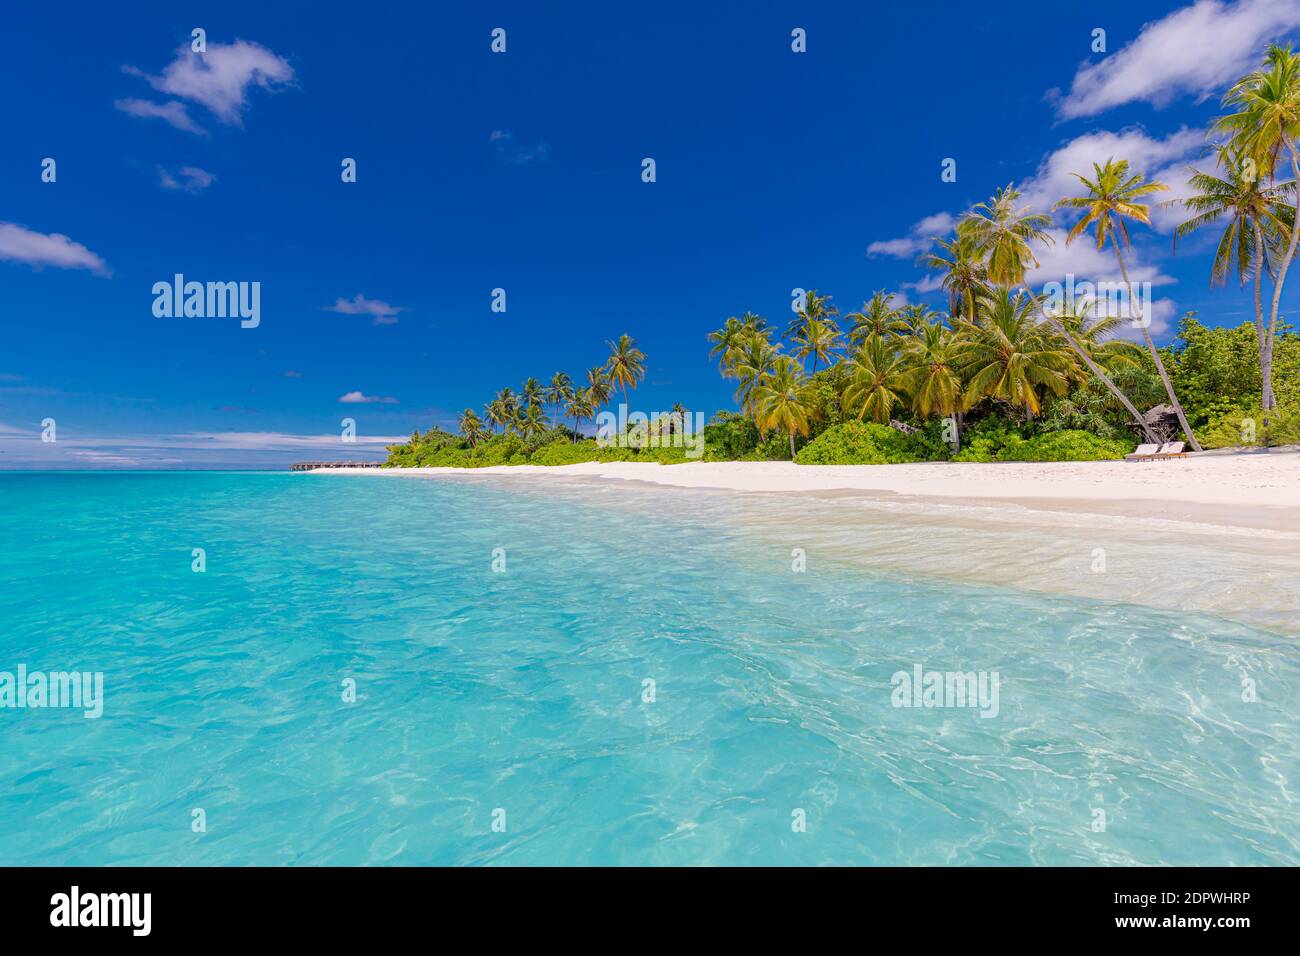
(523, 690)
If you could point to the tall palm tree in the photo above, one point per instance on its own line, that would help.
(933, 377)
(812, 307)
(558, 392)
(1009, 356)
(1264, 126)
(818, 339)
(471, 426)
(781, 402)
(876, 317)
(1111, 199)
(626, 363)
(912, 318)
(1098, 336)
(877, 379)
(965, 276)
(1001, 232)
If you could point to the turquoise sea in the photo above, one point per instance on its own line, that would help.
(647, 681)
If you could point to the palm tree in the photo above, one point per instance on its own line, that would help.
(532, 392)
(1265, 124)
(1098, 337)
(814, 306)
(501, 411)
(598, 386)
(728, 338)
(912, 318)
(965, 276)
(582, 405)
(531, 421)
(933, 377)
(1111, 199)
(1009, 356)
(1000, 232)
(1058, 324)
(750, 365)
(626, 363)
(781, 402)
(558, 392)
(471, 426)
(877, 379)
(818, 338)
(875, 318)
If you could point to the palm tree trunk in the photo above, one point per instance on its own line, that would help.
(1266, 398)
(792, 444)
(1097, 371)
(1266, 359)
(1155, 356)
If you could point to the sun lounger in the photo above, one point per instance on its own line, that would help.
(1143, 451)
(1170, 449)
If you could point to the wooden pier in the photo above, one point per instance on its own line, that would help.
(312, 465)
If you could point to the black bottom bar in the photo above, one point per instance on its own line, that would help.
(338, 906)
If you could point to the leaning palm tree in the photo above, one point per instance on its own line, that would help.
(965, 276)
(626, 363)
(812, 307)
(471, 426)
(1001, 232)
(1098, 336)
(1111, 199)
(782, 402)
(1264, 127)
(1008, 355)
(877, 380)
(933, 376)
(558, 392)
(818, 339)
(876, 317)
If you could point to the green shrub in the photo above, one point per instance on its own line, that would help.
(859, 443)
(987, 439)
(1245, 428)
(1065, 446)
(730, 437)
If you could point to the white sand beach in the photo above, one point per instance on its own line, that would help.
(1254, 490)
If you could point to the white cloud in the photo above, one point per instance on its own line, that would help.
(359, 398)
(191, 179)
(509, 148)
(381, 311)
(918, 240)
(1161, 160)
(172, 112)
(20, 244)
(1197, 50)
(220, 78)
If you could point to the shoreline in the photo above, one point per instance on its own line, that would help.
(1248, 492)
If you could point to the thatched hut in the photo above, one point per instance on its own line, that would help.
(1163, 422)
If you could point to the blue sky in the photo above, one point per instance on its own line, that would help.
(522, 171)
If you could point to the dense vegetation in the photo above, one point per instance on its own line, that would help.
(1005, 374)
